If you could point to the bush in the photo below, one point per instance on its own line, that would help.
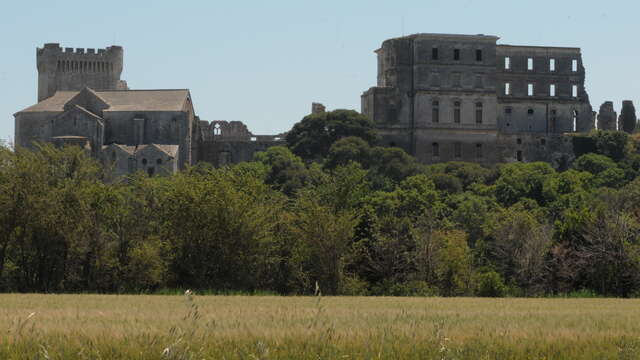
(353, 286)
(490, 284)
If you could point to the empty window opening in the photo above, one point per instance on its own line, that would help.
(253, 138)
(507, 88)
(457, 150)
(456, 112)
(574, 91)
(552, 64)
(144, 161)
(151, 170)
(575, 121)
(543, 142)
(552, 90)
(507, 63)
(553, 121)
(479, 151)
(435, 149)
(434, 54)
(216, 129)
(478, 113)
(435, 110)
(530, 112)
(530, 89)
(530, 64)
(518, 141)
(508, 111)
(519, 155)
(159, 161)
(456, 54)
(478, 55)
(574, 65)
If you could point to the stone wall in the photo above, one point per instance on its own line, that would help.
(74, 69)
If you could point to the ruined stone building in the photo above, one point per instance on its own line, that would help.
(82, 101)
(464, 97)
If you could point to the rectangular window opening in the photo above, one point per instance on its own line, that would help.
(456, 112)
(478, 55)
(530, 90)
(552, 65)
(507, 88)
(574, 65)
(530, 64)
(457, 150)
(552, 90)
(434, 54)
(574, 91)
(456, 54)
(507, 63)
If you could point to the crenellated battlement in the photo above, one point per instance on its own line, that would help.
(56, 49)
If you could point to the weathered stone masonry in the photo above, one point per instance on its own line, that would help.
(448, 97)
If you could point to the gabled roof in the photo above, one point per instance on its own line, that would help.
(126, 148)
(120, 100)
(171, 150)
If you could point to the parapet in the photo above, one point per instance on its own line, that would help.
(56, 49)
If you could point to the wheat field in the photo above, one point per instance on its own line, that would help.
(270, 327)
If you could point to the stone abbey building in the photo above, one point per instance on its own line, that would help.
(463, 97)
(82, 101)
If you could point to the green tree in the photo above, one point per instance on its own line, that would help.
(286, 171)
(312, 137)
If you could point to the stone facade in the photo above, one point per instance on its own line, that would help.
(445, 97)
(74, 69)
(83, 102)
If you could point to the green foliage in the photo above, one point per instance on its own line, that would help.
(490, 284)
(613, 144)
(520, 180)
(364, 220)
(312, 137)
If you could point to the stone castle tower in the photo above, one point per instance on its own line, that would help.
(74, 69)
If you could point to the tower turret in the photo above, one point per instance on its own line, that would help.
(75, 69)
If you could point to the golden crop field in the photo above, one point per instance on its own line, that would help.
(243, 327)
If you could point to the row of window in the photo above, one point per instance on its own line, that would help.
(457, 150)
(552, 64)
(84, 66)
(531, 89)
(435, 54)
(457, 111)
(553, 118)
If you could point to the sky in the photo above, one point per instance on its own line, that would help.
(265, 62)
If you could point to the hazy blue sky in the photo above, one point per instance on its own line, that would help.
(264, 62)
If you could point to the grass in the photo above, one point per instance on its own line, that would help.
(270, 327)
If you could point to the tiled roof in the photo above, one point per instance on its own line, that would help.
(120, 100)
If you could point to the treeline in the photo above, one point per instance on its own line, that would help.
(332, 208)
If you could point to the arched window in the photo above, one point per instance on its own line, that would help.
(457, 106)
(435, 111)
(478, 113)
(216, 129)
(144, 162)
(519, 155)
(436, 149)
